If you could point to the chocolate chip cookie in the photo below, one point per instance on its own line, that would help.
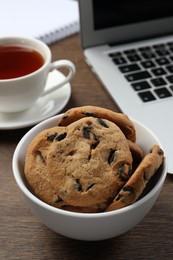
(89, 165)
(122, 120)
(137, 182)
(136, 151)
(36, 164)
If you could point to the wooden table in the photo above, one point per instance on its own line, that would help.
(22, 236)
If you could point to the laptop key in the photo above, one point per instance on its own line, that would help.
(170, 68)
(115, 54)
(145, 49)
(157, 82)
(141, 85)
(129, 68)
(119, 60)
(162, 61)
(130, 51)
(162, 93)
(159, 46)
(146, 96)
(170, 78)
(171, 88)
(138, 76)
(162, 52)
(171, 58)
(148, 64)
(158, 71)
(133, 57)
(171, 49)
(169, 44)
(148, 55)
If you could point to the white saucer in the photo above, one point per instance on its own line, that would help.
(45, 107)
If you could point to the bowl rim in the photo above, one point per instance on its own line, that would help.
(19, 180)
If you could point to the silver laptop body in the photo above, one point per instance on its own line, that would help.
(116, 31)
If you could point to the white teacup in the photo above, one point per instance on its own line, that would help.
(18, 93)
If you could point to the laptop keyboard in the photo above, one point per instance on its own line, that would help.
(148, 69)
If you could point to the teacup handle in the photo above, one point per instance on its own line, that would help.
(59, 64)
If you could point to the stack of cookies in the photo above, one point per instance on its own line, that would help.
(90, 162)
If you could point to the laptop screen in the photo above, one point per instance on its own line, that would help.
(119, 21)
(116, 13)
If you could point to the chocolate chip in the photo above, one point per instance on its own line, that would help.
(65, 116)
(58, 199)
(160, 152)
(61, 136)
(78, 185)
(124, 172)
(111, 156)
(90, 186)
(145, 176)
(52, 137)
(56, 137)
(86, 113)
(86, 132)
(129, 189)
(95, 137)
(102, 122)
(94, 145)
(71, 153)
(63, 192)
(41, 156)
(119, 196)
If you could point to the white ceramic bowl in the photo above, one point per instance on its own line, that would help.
(88, 226)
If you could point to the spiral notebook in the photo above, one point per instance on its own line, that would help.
(48, 20)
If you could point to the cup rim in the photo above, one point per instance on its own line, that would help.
(22, 40)
(39, 202)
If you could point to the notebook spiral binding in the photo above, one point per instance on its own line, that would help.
(60, 33)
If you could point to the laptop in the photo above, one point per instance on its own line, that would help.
(129, 45)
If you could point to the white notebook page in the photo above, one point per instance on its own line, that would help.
(49, 20)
